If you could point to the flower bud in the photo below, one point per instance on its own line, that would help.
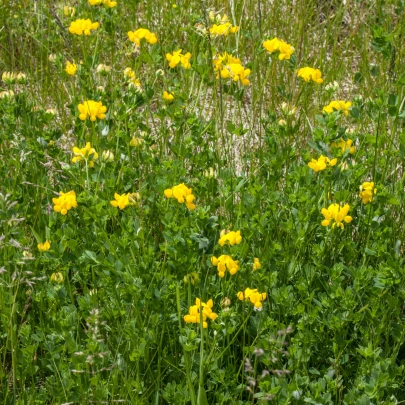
(7, 94)
(69, 11)
(210, 173)
(137, 142)
(107, 156)
(57, 278)
(282, 123)
(225, 302)
(8, 77)
(103, 69)
(21, 78)
(134, 197)
(332, 87)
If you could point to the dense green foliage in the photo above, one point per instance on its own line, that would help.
(99, 317)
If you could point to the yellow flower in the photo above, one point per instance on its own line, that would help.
(81, 26)
(168, 96)
(338, 105)
(367, 190)
(108, 3)
(322, 163)
(44, 247)
(57, 277)
(200, 312)
(128, 72)
(285, 50)
(221, 60)
(231, 238)
(337, 214)
(256, 264)
(71, 68)
(344, 145)
(122, 201)
(142, 33)
(92, 109)
(223, 29)
(65, 202)
(225, 262)
(87, 153)
(183, 194)
(178, 58)
(237, 72)
(308, 74)
(253, 296)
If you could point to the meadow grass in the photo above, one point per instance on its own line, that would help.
(211, 194)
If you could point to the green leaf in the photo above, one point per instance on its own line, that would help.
(89, 256)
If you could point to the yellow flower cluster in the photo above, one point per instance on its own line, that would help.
(227, 66)
(230, 238)
(200, 312)
(337, 214)
(253, 296)
(87, 153)
(169, 97)
(142, 33)
(236, 72)
(108, 3)
(322, 163)
(223, 29)
(367, 190)
(285, 50)
(338, 105)
(221, 60)
(65, 202)
(44, 247)
(92, 109)
(177, 57)
(225, 262)
(344, 145)
(308, 74)
(256, 264)
(183, 194)
(70, 68)
(81, 26)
